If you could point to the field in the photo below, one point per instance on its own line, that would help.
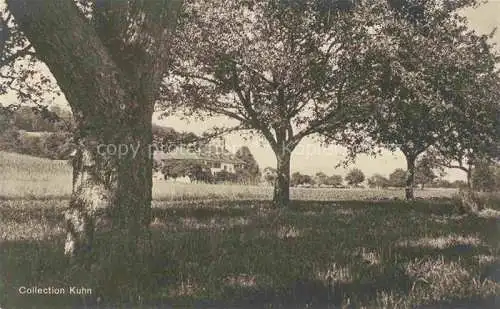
(26, 177)
(224, 247)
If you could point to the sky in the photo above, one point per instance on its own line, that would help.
(310, 157)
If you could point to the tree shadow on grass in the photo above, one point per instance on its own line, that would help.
(198, 267)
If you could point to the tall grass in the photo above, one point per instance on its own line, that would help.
(25, 176)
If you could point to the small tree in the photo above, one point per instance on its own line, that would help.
(398, 178)
(355, 177)
(424, 173)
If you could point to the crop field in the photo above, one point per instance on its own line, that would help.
(220, 246)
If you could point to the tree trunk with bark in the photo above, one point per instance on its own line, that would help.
(281, 197)
(468, 171)
(112, 106)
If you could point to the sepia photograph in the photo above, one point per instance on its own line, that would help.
(220, 154)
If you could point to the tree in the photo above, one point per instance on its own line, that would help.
(270, 175)
(249, 172)
(320, 178)
(224, 176)
(459, 184)
(424, 173)
(109, 60)
(355, 177)
(301, 179)
(283, 70)
(426, 95)
(378, 181)
(398, 178)
(334, 180)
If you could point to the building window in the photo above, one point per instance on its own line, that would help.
(216, 164)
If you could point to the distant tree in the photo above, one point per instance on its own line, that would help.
(224, 176)
(378, 181)
(167, 139)
(296, 179)
(250, 172)
(320, 178)
(398, 178)
(270, 175)
(334, 180)
(424, 173)
(10, 140)
(181, 168)
(355, 177)
(301, 179)
(484, 176)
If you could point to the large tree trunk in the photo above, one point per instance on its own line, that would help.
(113, 110)
(410, 178)
(110, 188)
(281, 197)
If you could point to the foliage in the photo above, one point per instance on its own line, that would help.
(250, 172)
(320, 178)
(301, 179)
(355, 177)
(334, 180)
(167, 139)
(398, 178)
(224, 176)
(282, 70)
(430, 75)
(202, 248)
(29, 131)
(378, 181)
(193, 169)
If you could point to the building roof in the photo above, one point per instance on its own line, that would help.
(186, 154)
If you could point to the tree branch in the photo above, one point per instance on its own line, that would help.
(253, 117)
(210, 80)
(227, 113)
(259, 74)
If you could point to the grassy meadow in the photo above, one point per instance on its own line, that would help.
(221, 246)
